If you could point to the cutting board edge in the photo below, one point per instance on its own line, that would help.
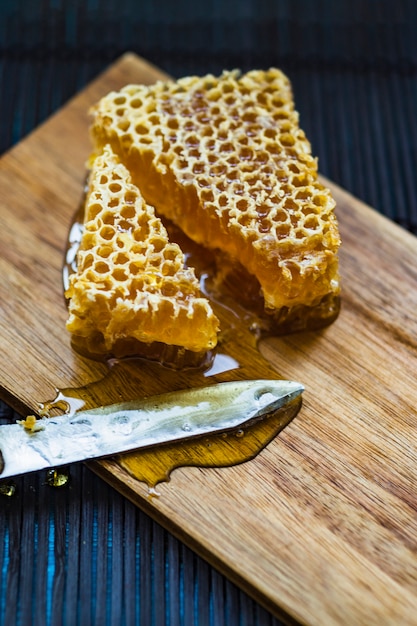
(107, 470)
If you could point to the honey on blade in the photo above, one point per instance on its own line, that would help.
(243, 323)
(155, 466)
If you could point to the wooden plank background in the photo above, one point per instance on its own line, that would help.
(322, 525)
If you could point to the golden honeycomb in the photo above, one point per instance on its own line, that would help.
(224, 158)
(131, 286)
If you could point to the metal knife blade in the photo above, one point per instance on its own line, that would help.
(128, 426)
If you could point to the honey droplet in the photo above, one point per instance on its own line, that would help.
(7, 489)
(58, 478)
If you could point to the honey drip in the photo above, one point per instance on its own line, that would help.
(236, 300)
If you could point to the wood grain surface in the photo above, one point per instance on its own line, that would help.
(321, 527)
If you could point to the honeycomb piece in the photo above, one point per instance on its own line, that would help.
(224, 158)
(131, 283)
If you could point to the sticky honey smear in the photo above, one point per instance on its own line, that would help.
(224, 158)
(131, 292)
(155, 466)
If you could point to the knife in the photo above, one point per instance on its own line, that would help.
(127, 426)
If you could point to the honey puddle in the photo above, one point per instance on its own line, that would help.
(236, 301)
(155, 466)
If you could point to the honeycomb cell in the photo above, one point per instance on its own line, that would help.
(96, 208)
(107, 233)
(141, 129)
(88, 260)
(120, 275)
(312, 222)
(108, 217)
(123, 125)
(282, 231)
(101, 268)
(121, 259)
(104, 251)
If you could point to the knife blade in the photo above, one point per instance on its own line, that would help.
(127, 426)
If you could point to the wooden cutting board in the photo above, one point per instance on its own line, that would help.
(322, 525)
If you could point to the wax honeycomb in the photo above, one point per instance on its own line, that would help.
(132, 285)
(225, 159)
